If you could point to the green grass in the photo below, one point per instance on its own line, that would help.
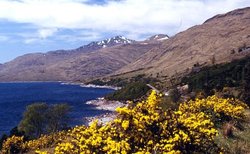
(240, 142)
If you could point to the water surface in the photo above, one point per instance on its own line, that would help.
(14, 97)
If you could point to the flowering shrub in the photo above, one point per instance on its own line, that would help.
(16, 144)
(146, 128)
(44, 141)
(216, 108)
(13, 144)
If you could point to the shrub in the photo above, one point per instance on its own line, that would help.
(145, 127)
(129, 92)
(40, 118)
(13, 144)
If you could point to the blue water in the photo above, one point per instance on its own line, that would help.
(14, 97)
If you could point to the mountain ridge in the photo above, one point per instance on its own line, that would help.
(221, 38)
(92, 60)
(113, 41)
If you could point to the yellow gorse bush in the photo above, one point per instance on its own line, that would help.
(218, 106)
(45, 141)
(12, 144)
(145, 128)
(16, 144)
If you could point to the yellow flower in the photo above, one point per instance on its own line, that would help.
(125, 124)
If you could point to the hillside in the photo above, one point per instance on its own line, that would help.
(230, 79)
(92, 60)
(220, 39)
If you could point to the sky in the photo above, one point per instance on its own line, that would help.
(28, 26)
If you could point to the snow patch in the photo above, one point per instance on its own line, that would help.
(156, 36)
(164, 38)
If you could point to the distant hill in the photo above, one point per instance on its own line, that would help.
(95, 59)
(117, 40)
(158, 37)
(220, 39)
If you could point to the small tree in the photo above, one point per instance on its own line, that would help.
(40, 118)
(57, 117)
(34, 120)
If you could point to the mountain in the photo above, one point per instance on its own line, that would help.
(220, 39)
(89, 61)
(117, 40)
(158, 37)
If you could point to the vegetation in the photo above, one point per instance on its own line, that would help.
(132, 88)
(13, 132)
(40, 118)
(2, 139)
(145, 128)
(129, 92)
(114, 82)
(234, 74)
(121, 82)
(213, 124)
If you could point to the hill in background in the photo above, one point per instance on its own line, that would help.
(220, 39)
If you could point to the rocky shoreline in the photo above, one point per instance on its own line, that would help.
(103, 104)
(90, 85)
(100, 103)
(97, 86)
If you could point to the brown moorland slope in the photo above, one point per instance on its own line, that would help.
(218, 40)
(93, 60)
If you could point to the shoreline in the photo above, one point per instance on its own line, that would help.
(90, 85)
(31, 81)
(67, 83)
(102, 104)
(98, 86)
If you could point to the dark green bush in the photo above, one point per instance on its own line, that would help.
(129, 92)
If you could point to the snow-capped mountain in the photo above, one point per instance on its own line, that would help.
(158, 37)
(110, 42)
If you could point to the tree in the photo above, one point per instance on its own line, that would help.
(33, 122)
(57, 117)
(40, 118)
(16, 132)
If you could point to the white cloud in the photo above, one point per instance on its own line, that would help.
(138, 17)
(46, 32)
(82, 36)
(30, 40)
(3, 38)
(36, 36)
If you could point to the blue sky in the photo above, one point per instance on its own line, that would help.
(28, 26)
